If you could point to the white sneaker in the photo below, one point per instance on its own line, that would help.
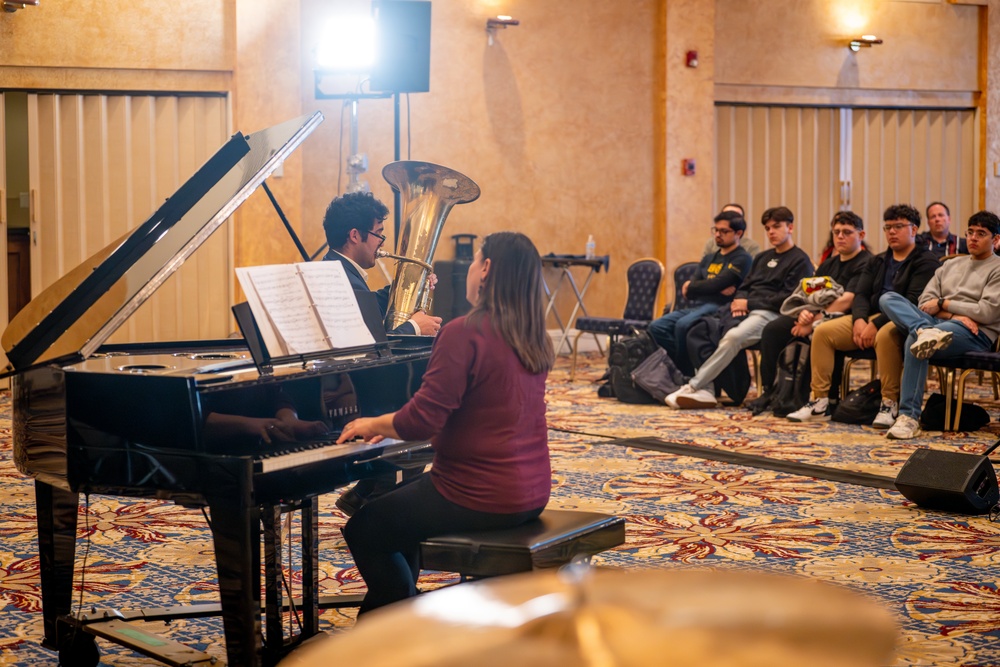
(886, 416)
(701, 398)
(671, 399)
(929, 341)
(906, 427)
(813, 411)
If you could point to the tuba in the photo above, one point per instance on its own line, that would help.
(427, 194)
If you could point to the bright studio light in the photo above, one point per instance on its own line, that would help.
(348, 43)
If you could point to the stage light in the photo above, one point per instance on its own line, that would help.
(348, 44)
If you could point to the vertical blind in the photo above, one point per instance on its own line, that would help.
(820, 160)
(100, 165)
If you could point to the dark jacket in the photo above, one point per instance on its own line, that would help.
(715, 273)
(954, 245)
(773, 277)
(911, 278)
(358, 283)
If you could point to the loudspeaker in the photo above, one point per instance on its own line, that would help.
(949, 481)
(403, 36)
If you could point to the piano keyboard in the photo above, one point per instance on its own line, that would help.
(314, 453)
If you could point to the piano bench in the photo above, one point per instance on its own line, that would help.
(553, 539)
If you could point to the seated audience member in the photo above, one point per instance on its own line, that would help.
(903, 268)
(746, 242)
(718, 276)
(958, 312)
(845, 267)
(773, 276)
(938, 237)
(482, 405)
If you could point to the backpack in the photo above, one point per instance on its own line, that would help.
(625, 355)
(973, 418)
(658, 375)
(861, 405)
(702, 340)
(791, 384)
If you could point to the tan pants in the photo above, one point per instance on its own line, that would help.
(838, 334)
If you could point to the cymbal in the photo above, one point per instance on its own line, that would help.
(620, 618)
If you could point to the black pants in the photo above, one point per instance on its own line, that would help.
(777, 334)
(384, 536)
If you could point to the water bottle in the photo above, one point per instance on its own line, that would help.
(590, 247)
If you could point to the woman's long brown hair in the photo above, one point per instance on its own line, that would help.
(513, 297)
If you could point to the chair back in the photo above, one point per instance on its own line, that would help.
(682, 274)
(644, 277)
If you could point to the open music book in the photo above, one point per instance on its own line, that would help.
(304, 308)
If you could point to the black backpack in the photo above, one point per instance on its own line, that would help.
(625, 355)
(861, 405)
(791, 384)
(973, 417)
(703, 339)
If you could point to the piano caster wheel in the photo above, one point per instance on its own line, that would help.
(80, 650)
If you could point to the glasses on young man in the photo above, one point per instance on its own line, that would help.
(721, 230)
(381, 239)
(978, 233)
(848, 231)
(896, 226)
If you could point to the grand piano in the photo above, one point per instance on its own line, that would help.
(177, 421)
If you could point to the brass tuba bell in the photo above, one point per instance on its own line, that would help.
(427, 194)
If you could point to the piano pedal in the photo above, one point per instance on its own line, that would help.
(155, 646)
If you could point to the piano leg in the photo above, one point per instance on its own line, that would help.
(308, 611)
(236, 531)
(310, 566)
(56, 516)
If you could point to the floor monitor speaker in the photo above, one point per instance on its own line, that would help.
(949, 481)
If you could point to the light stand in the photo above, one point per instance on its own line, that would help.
(355, 165)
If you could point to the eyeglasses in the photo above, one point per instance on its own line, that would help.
(381, 239)
(845, 232)
(978, 233)
(721, 230)
(895, 227)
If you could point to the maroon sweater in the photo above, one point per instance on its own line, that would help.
(485, 415)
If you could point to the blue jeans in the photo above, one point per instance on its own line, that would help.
(670, 333)
(910, 319)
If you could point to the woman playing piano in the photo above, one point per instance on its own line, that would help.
(482, 406)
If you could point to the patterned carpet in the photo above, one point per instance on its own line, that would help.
(936, 571)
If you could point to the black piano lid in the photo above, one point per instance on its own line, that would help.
(76, 314)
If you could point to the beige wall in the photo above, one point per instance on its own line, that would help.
(93, 44)
(690, 128)
(555, 122)
(930, 52)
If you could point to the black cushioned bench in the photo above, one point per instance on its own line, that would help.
(554, 539)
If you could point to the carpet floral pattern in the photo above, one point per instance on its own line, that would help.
(937, 572)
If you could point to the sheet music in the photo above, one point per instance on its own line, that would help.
(305, 307)
(333, 298)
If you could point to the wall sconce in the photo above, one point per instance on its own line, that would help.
(14, 5)
(500, 22)
(867, 41)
